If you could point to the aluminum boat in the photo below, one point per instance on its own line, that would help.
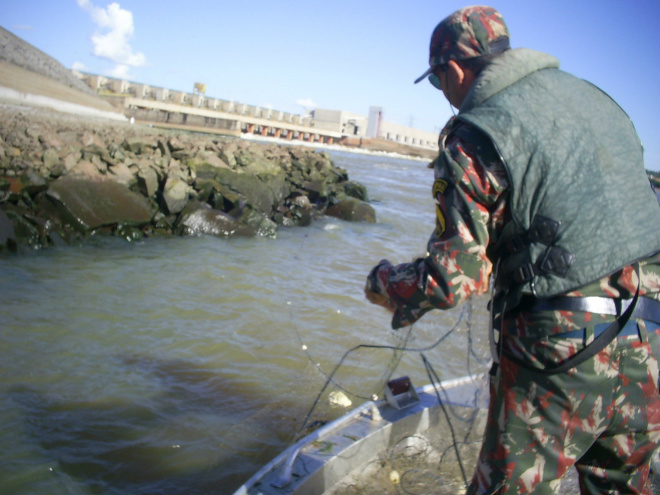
(416, 439)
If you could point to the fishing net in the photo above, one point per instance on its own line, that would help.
(440, 459)
(437, 460)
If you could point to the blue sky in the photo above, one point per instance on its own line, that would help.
(345, 55)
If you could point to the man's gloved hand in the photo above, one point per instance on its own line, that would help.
(375, 291)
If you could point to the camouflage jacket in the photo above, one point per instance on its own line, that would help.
(471, 208)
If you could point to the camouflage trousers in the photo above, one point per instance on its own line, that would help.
(603, 416)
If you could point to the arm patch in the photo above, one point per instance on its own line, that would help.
(440, 186)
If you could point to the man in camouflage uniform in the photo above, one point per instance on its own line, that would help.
(540, 180)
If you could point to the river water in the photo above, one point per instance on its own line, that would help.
(182, 365)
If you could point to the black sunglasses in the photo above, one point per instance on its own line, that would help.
(435, 80)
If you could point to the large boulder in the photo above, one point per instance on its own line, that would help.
(205, 164)
(352, 210)
(201, 219)
(175, 194)
(261, 193)
(251, 160)
(94, 203)
(258, 222)
(356, 190)
(147, 181)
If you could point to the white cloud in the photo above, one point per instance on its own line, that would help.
(306, 103)
(111, 41)
(78, 66)
(120, 71)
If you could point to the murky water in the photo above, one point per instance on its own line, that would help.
(182, 365)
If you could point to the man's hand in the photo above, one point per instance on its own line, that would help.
(484, 286)
(378, 299)
(371, 289)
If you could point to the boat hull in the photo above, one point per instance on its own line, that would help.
(378, 442)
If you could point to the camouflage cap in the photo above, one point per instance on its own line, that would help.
(467, 33)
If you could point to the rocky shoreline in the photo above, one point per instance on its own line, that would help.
(64, 178)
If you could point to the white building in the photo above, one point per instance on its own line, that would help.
(346, 123)
(373, 127)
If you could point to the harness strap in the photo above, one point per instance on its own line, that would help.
(555, 260)
(645, 309)
(600, 342)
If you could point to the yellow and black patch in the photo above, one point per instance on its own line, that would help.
(439, 187)
(440, 223)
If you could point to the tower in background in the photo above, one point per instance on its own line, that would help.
(374, 122)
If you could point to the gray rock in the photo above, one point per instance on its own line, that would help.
(85, 168)
(175, 194)
(317, 190)
(302, 202)
(262, 225)
(7, 236)
(147, 181)
(175, 144)
(356, 190)
(201, 219)
(227, 156)
(261, 194)
(71, 159)
(252, 161)
(176, 170)
(205, 163)
(94, 203)
(123, 174)
(51, 159)
(352, 210)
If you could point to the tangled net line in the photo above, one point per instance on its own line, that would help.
(410, 477)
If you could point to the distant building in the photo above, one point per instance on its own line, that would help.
(319, 124)
(346, 123)
(375, 122)
(161, 94)
(406, 135)
(373, 127)
(118, 86)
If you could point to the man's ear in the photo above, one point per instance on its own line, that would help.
(460, 79)
(456, 73)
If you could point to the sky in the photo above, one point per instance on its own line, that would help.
(298, 55)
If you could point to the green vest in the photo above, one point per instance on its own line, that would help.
(581, 204)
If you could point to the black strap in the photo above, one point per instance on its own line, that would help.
(542, 230)
(592, 349)
(646, 309)
(556, 260)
